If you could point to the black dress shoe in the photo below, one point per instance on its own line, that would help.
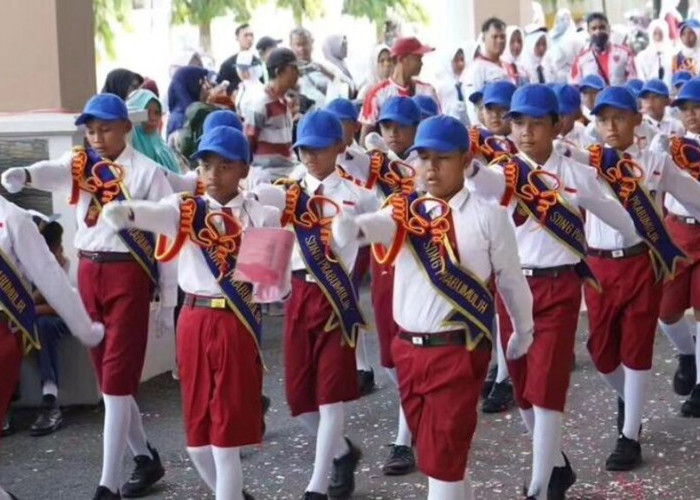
(621, 418)
(685, 376)
(266, 402)
(691, 407)
(626, 456)
(562, 479)
(490, 380)
(104, 493)
(7, 428)
(47, 422)
(401, 461)
(312, 495)
(342, 483)
(247, 496)
(500, 398)
(12, 497)
(365, 379)
(148, 471)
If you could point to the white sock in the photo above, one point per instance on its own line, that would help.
(361, 352)
(330, 430)
(138, 444)
(116, 429)
(393, 375)
(3, 494)
(445, 490)
(49, 389)
(468, 491)
(310, 421)
(502, 372)
(680, 334)
(546, 445)
(635, 394)
(528, 417)
(229, 473)
(403, 435)
(615, 380)
(203, 461)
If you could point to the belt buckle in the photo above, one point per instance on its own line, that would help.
(218, 303)
(528, 272)
(309, 278)
(416, 340)
(689, 220)
(616, 254)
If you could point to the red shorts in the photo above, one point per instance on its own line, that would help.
(320, 366)
(541, 378)
(117, 294)
(683, 291)
(382, 302)
(439, 389)
(622, 319)
(10, 366)
(221, 379)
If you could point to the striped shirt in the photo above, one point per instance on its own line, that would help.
(268, 126)
(389, 88)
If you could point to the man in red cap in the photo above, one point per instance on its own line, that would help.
(408, 54)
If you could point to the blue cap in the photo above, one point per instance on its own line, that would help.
(227, 142)
(441, 133)
(536, 100)
(427, 105)
(690, 91)
(498, 94)
(344, 109)
(568, 97)
(402, 110)
(475, 97)
(690, 23)
(680, 77)
(634, 86)
(591, 82)
(654, 87)
(222, 117)
(105, 107)
(615, 97)
(319, 129)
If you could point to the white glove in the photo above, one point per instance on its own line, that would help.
(14, 179)
(344, 228)
(165, 321)
(117, 215)
(562, 148)
(374, 141)
(93, 337)
(271, 196)
(661, 143)
(518, 345)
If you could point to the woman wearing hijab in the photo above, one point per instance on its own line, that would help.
(190, 84)
(512, 56)
(380, 68)
(122, 82)
(146, 136)
(563, 48)
(688, 57)
(655, 60)
(449, 86)
(533, 57)
(335, 50)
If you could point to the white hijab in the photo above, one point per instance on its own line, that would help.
(507, 56)
(665, 44)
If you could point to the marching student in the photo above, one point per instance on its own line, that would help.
(656, 99)
(427, 105)
(573, 132)
(682, 292)
(589, 87)
(323, 314)
(443, 347)
(25, 258)
(552, 248)
(688, 57)
(117, 276)
(220, 323)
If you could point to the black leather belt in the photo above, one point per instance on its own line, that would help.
(206, 302)
(303, 275)
(548, 272)
(438, 339)
(621, 253)
(106, 256)
(690, 221)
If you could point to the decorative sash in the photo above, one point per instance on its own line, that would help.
(312, 230)
(219, 249)
(103, 180)
(682, 63)
(472, 302)
(542, 201)
(17, 302)
(492, 148)
(388, 175)
(686, 154)
(624, 177)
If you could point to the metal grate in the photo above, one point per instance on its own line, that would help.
(21, 153)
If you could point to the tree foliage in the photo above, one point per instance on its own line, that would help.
(107, 14)
(379, 11)
(302, 9)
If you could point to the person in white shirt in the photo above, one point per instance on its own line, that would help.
(655, 60)
(512, 57)
(573, 132)
(24, 255)
(220, 318)
(552, 260)
(448, 82)
(439, 379)
(655, 98)
(563, 47)
(117, 276)
(249, 89)
(533, 58)
(487, 66)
